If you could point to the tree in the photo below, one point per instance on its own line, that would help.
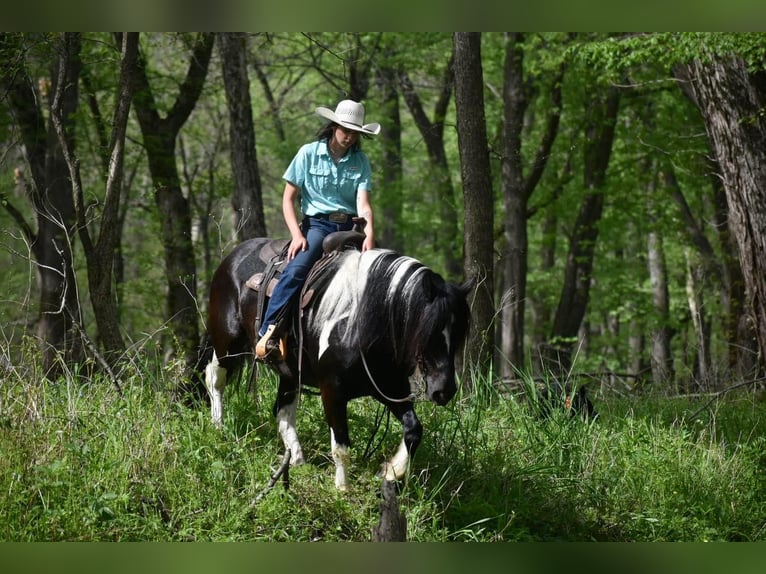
(50, 192)
(731, 98)
(159, 135)
(600, 117)
(246, 199)
(661, 357)
(391, 145)
(517, 190)
(477, 192)
(100, 255)
(432, 132)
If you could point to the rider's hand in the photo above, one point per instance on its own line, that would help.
(296, 244)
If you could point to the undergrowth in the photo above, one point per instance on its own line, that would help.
(82, 463)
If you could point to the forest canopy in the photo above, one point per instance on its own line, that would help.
(619, 227)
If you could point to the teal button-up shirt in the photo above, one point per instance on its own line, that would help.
(327, 187)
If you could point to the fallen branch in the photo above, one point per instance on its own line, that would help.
(283, 471)
(717, 394)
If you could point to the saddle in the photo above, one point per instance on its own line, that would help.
(274, 254)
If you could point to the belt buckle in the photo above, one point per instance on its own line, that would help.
(338, 217)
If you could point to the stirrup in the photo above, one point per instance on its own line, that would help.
(270, 347)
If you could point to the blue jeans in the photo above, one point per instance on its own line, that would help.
(294, 276)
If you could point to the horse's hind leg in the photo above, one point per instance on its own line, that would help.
(396, 467)
(215, 381)
(285, 409)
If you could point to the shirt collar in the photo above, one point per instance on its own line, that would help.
(324, 149)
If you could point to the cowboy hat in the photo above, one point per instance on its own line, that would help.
(349, 114)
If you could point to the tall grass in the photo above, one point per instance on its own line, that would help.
(79, 462)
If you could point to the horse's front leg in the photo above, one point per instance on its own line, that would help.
(336, 414)
(215, 382)
(412, 434)
(285, 408)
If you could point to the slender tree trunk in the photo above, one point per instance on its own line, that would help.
(100, 255)
(515, 203)
(517, 190)
(636, 361)
(391, 143)
(575, 292)
(477, 191)
(51, 194)
(636, 348)
(159, 135)
(542, 312)
(700, 321)
(433, 135)
(661, 359)
(662, 370)
(247, 199)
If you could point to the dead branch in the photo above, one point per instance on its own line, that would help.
(283, 471)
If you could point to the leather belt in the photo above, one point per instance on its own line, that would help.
(337, 217)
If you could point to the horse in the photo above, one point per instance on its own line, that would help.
(365, 324)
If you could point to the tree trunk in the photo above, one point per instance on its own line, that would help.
(100, 255)
(477, 192)
(575, 292)
(514, 258)
(743, 344)
(700, 322)
(661, 361)
(51, 194)
(732, 100)
(159, 136)
(433, 136)
(247, 199)
(541, 312)
(390, 202)
(517, 190)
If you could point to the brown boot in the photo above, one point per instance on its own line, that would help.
(271, 348)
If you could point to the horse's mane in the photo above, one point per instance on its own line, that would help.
(385, 300)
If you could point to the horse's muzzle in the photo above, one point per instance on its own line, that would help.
(442, 396)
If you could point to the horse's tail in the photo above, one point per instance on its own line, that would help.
(195, 389)
(204, 353)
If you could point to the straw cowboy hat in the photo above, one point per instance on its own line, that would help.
(349, 114)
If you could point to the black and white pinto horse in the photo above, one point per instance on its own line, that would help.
(367, 324)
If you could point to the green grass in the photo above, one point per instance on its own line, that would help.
(82, 463)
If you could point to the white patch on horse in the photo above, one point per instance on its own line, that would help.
(447, 333)
(400, 267)
(341, 299)
(215, 382)
(395, 468)
(324, 335)
(401, 288)
(341, 456)
(286, 426)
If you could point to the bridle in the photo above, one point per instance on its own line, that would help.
(421, 367)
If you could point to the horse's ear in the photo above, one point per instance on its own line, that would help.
(433, 284)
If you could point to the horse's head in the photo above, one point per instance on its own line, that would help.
(445, 322)
(411, 316)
